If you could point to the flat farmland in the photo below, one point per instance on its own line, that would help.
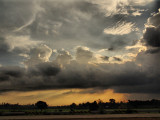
(86, 117)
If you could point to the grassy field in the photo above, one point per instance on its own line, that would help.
(76, 111)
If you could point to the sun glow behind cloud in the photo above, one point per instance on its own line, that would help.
(61, 97)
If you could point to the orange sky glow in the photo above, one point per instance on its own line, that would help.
(60, 97)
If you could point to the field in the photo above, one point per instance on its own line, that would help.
(4, 112)
(86, 117)
(79, 114)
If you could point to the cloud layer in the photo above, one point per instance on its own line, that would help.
(80, 44)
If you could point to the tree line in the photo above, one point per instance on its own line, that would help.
(92, 106)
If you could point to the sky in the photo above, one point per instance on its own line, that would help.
(65, 51)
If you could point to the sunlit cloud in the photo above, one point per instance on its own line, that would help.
(21, 42)
(121, 29)
(139, 46)
(140, 2)
(39, 54)
(122, 6)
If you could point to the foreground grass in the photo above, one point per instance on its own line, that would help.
(74, 112)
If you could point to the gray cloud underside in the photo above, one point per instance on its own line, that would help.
(123, 78)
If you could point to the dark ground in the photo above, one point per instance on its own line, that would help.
(86, 117)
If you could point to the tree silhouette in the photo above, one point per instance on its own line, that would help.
(72, 107)
(93, 106)
(112, 101)
(41, 105)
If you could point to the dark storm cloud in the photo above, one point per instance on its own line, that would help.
(7, 73)
(156, 5)
(149, 59)
(150, 67)
(77, 75)
(153, 50)
(20, 79)
(152, 32)
(152, 36)
(8, 57)
(45, 69)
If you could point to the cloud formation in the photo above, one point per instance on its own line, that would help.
(39, 39)
(69, 21)
(83, 54)
(38, 55)
(76, 74)
(121, 29)
(152, 32)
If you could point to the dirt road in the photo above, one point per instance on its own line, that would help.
(86, 117)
